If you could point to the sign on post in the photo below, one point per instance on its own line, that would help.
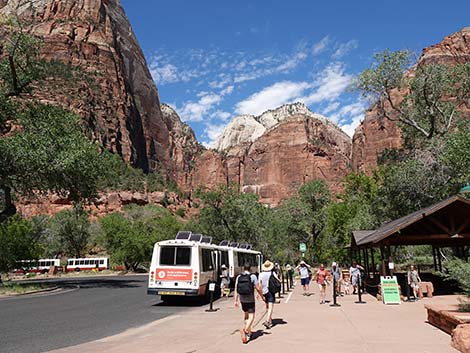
(390, 290)
(302, 247)
(211, 287)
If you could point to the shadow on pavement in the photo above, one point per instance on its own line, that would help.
(182, 302)
(279, 322)
(257, 334)
(94, 283)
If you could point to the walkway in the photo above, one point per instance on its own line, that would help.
(303, 325)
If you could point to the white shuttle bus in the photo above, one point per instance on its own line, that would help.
(186, 265)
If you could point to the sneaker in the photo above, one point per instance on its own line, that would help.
(244, 336)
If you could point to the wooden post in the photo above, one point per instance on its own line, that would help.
(439, 260)
(373, 262)
(434, 257)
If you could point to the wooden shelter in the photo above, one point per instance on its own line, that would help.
(444, 224)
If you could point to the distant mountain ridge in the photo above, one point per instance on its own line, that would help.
(247, 128)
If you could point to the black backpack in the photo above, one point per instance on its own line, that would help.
(244, 285)
(274, 285)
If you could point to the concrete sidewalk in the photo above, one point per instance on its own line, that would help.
(302, 325)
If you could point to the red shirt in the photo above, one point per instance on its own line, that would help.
(321, 276)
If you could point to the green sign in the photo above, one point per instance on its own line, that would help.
(390, 291)
(302, 247)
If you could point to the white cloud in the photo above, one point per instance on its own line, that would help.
(212, 132)
(204, 107)
(195, 111)
(221, 115)
(345, 48)
(320, 46)
(332, 82)
(292, 63)
(330, 108)
(351, 126)
(270, 97)
(227, 90)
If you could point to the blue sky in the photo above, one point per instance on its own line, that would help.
(215, 59)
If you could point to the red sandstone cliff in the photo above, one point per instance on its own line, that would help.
(377, 133)
(117, 96)
(297, 147)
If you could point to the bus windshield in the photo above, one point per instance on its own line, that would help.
(175, 256)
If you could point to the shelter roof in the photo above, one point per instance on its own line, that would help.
(444, 223)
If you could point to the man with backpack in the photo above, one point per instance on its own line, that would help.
(245, 286)
(270, 285)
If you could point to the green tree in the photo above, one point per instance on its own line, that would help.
(233, 215)
(49, 152)
(70, 232)
(456, 155)
(303, 216)
(129, 237)
(17, 242)
(359, 208)
(433, 95)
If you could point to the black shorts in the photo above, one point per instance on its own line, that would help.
(270, 298)
(248, 307)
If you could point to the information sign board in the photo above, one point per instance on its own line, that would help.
(390, 290)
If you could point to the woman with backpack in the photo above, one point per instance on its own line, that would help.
(270, 285)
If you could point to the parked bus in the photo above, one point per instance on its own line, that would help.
(87, 264)
(186, 265)
(38, 266)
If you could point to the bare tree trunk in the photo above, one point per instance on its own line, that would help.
(9, 209)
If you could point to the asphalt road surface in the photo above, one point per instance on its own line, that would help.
(100, 307)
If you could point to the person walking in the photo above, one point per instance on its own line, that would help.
(337, 276)
(224, 281)
(321, 278)
(268, 286)
(355, 275)
(245, 286)
(304, 276)
(290, 275)
(413, 281)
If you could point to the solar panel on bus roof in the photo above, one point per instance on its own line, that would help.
(183, 235)
(234, 244)
(195, 237)
(224, 243)
(206, 239)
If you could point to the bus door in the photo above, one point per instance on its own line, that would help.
(216, 261)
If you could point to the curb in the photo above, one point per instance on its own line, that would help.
(39, 291)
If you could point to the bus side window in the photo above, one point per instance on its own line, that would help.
(101, 262)
(206, 260)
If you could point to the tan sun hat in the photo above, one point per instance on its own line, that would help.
(267, 266)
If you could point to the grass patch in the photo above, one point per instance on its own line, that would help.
(15, 288)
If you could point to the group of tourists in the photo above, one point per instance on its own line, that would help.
(266, 287)
(267, 284)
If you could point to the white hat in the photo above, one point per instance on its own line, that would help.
(333, 264)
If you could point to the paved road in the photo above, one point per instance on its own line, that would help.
(100, 307)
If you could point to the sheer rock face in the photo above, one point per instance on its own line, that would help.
(183, 146)
(376, 133)
(116, 96)
(297, 148)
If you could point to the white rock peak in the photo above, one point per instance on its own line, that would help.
(248, 128)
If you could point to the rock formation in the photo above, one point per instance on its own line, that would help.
(273, 154)
(116, 96)
(376, 133)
